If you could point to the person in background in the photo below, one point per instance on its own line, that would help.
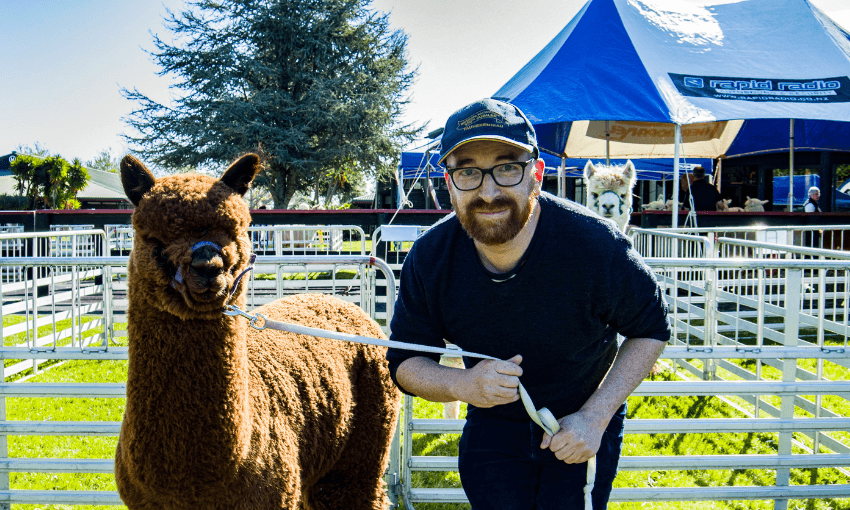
(811, 204)
(705, 195)
(545, 285)
(813, 237)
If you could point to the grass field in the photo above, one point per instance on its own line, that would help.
(73, 409)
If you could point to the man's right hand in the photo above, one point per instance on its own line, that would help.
(491, 383)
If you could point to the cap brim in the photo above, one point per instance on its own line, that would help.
(492, 138)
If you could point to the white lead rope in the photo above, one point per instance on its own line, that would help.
(542, 417)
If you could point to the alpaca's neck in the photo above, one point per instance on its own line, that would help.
(188, 390)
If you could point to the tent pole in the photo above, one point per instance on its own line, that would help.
(562, 170)
(675, 211)
(607, 144)
(791, 171)
(719, 176)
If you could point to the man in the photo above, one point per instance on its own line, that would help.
(812, 238)
(538, 281)
(811, 204)
(705, 195)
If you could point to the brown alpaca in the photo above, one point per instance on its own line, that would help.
(219, 415)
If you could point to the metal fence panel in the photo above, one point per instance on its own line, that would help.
(37, 303)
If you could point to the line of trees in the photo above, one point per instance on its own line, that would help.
(316, 86)
(49, 182)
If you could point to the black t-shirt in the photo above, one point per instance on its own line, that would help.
(705, 195)
(580, 283)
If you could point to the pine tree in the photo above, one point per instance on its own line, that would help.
(317, 85)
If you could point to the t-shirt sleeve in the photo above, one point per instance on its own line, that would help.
(637, 306)
(412, 322)
(810, 207)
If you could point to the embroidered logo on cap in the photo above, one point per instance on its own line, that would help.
(484, 118)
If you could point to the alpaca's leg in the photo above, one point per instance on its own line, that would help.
(356, 481)
(130, 492)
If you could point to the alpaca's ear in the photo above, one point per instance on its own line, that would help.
(240, 174)
(136, 179)
(630, 173)
(589, 169)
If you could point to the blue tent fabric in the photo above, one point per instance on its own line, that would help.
(802, 183)
(763, 61)
(592, 53)
(763, 136)
(412, 165)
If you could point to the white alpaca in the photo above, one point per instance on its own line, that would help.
(655, 205)
(755, 205)
(723, 206)
(609, 191)
(669, 205)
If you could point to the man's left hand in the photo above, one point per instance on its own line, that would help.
(577, 441)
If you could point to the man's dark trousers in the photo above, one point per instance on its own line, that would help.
(503, 467)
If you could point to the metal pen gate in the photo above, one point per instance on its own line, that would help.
(104, 301)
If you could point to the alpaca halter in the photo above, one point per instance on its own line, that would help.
(178, 277)
(542, 417)
(622, 202)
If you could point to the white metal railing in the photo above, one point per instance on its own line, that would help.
(835, 237)
(104, 303)
(308, 239)
(391, 243)
(274, 239)
(120, 239)
(706, 352)
(659, 243)
(11, 228)
(58, 243)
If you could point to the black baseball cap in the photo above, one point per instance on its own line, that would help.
(488, 119)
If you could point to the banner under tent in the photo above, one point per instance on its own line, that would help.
(625, 78)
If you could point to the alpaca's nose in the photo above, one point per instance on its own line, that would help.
(608, 208)
(207, 262)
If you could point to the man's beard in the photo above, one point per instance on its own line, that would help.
(489, 232)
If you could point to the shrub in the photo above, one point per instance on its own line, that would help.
(14, 203)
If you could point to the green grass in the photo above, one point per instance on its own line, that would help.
(67, 447)
(343, 274)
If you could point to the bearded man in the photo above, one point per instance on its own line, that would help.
(544, 284)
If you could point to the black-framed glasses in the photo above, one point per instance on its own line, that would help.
(504, 174)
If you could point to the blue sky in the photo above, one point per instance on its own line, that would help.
(65, 62)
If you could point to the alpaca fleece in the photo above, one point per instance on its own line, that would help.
(220, 415)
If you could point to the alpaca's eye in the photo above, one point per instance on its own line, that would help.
(594, 195)
(623, 196)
